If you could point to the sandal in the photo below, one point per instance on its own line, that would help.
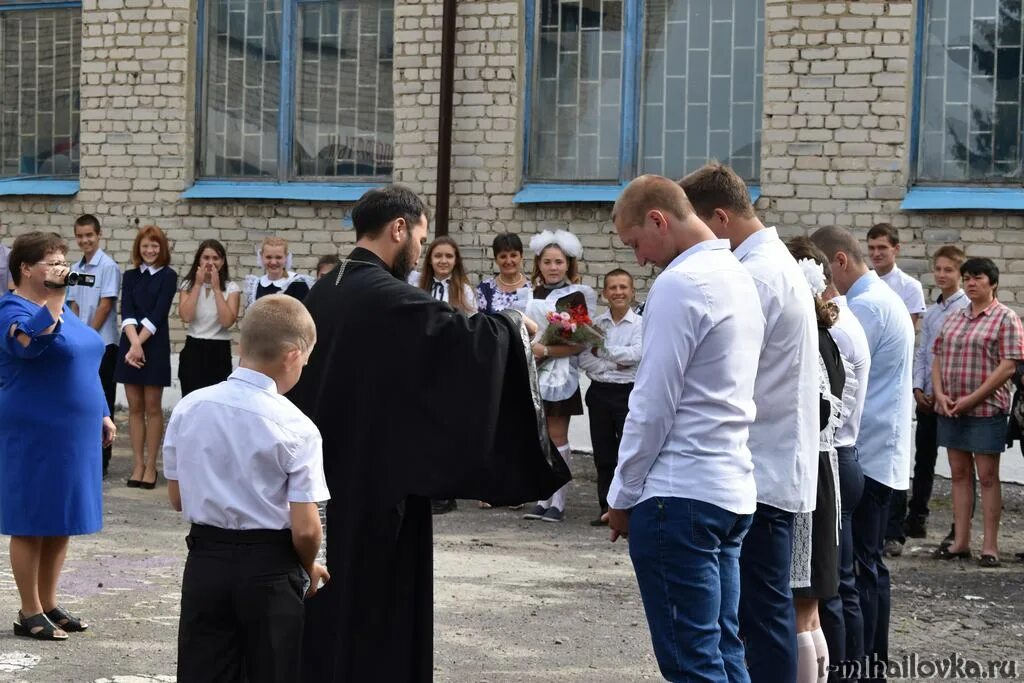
(39, 627)
(65, 621)
(989, 562)
(947, 554)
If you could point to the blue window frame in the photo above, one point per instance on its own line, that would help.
(621, 87)
(966, 146)
(295, 91)
(40, 65)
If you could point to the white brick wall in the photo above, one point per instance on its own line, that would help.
(837, 90)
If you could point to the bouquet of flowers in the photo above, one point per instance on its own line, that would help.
(570, 323)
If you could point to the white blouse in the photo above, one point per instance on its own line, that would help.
(205, 324)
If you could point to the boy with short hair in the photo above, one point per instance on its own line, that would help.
(96, 306)
(946, 264)
(245, 467)
(612, 371)
(883, 248)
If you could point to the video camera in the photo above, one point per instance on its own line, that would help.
(72, 280)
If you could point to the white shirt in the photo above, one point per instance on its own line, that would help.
(241, 452)
(5, 275)
(931, 325)
(908, 288)
(883, 444)
(853, 347)
(616, 362)
(205, 323)
(784, 437)
(108, 286)
(693, 401)
(468, 295)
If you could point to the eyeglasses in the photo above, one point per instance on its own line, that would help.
(54, 264)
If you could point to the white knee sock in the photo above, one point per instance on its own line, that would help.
(807, 658)
(557, 499)
(821, 650)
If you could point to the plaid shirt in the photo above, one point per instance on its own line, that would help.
(969, 348)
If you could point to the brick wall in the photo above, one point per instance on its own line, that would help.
(837, 91)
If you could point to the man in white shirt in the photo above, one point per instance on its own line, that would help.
(883, 249)
(883, 443)
(612, 372)
(96, 306)
(784, 437)
(684, 486)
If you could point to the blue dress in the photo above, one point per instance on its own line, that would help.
(51, 424)
(147, 296)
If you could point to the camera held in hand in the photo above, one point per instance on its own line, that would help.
(73, 279)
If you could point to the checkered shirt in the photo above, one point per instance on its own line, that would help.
(970, 347)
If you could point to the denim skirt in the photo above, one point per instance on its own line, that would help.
(973, 434)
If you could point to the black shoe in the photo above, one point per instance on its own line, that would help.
(948, 540)
(600, 521)
(915, 528)
(440, 507)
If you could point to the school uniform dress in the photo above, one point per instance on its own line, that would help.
(107, 286)
(241, 453)
(206, 358)
(612, 372)
(561, 406)
(51, 434)
(146, 297)
(439, 290)
(292, 284)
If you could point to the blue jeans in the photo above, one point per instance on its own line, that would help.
(767, 617)
(841, 618)
(686, 557)
(869, 522)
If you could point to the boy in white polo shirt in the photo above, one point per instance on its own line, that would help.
(883, 249)
(245, 467)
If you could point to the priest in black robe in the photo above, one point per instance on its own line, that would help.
(414, 401)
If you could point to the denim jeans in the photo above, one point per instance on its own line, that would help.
(767, 616)
(869, 522)
(686, 557)
(841, 619)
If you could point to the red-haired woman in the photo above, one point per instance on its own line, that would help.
(144, 358)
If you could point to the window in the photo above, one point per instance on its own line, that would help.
(40, 53)
(970, 100)
(297, 90)
(649, 86)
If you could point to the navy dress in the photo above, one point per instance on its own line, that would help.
(51, 424)
(147, 296)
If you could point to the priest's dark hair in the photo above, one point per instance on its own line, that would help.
(193, 272)
(459, 281)
(377, 208)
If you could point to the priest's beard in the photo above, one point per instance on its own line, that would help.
(404, 262)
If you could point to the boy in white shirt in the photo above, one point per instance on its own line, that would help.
(612, 371)
(245, 467)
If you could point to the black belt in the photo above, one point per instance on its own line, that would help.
(203, 532)
(617, 386)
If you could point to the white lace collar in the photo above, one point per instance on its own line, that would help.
(280, 283)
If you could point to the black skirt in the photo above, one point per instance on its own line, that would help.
(824, 540)
(203, 363)
(566, 407)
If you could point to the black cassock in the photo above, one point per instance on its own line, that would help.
(414, 401)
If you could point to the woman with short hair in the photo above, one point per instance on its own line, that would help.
(50, 478)
(976, 354)
(509, 288)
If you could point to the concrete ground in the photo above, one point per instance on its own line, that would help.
(515, 600)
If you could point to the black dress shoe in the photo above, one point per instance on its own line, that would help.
(599, 522)
(133, 483)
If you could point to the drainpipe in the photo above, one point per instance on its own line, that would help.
(444, 123)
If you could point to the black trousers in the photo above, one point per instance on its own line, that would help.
(608, 404)
(107, 366)
(241, 608)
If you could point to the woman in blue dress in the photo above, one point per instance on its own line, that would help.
(144, 356)
(55, 424)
